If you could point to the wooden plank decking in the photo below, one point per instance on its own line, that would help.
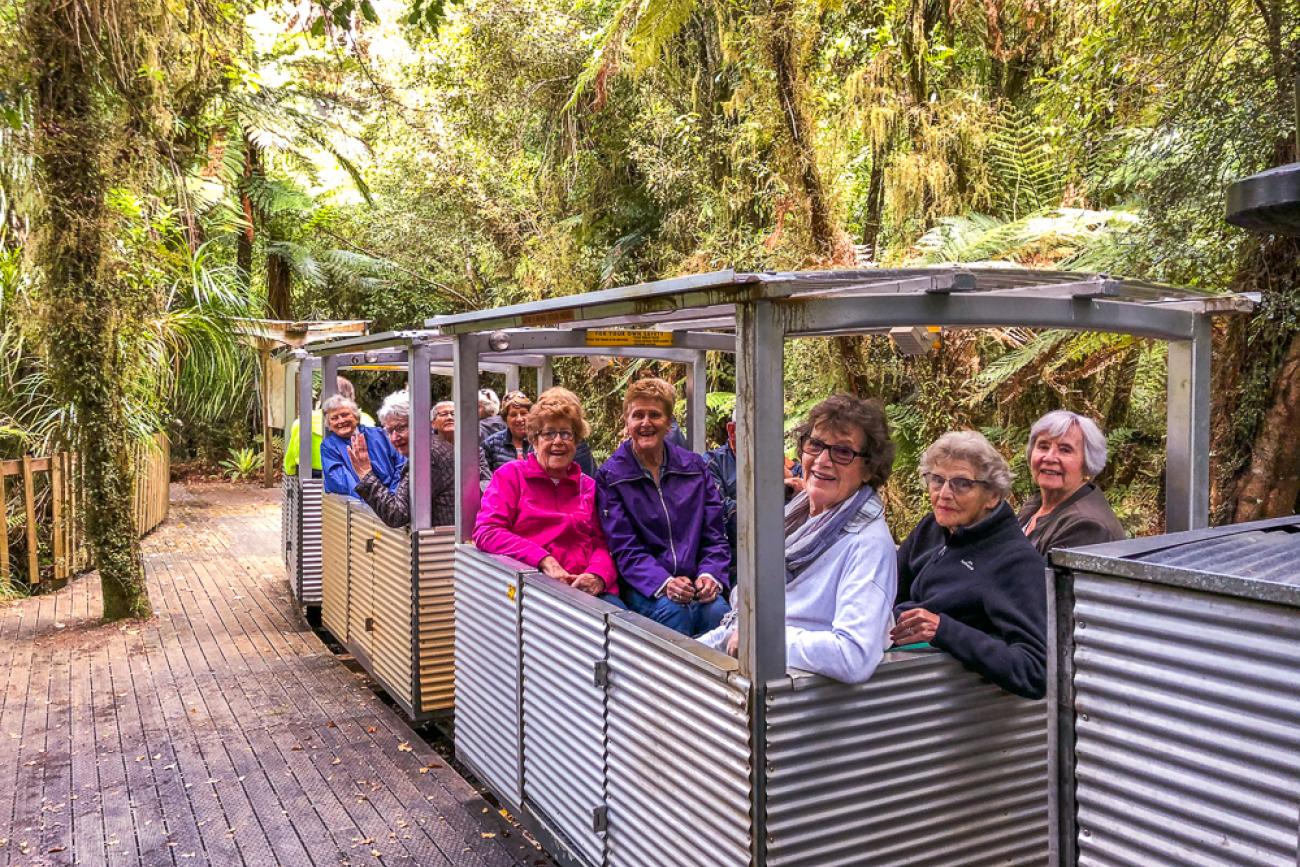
(221, 732)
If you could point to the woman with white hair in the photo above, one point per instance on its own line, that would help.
(1066, 452)
(969, 582)
(342, 420)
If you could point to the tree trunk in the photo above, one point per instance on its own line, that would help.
(84, 309)
(875, 218)
(827, 237)
(244, 245)
(1228, 350)
(279, 288)
(1272, 483)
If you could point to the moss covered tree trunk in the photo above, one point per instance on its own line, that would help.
(85, 308)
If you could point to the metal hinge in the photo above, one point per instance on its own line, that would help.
(600, 672)
(370, 546)
(370, 624)
(600, 819)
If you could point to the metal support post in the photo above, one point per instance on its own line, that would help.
(545, 376)
(268, 464)
(760, 545)
(464, 380)
(329, 385)
(306, 368)
(697, 413)
(1187, 467)
(512, 378)
(1062, 808)
(420, 433)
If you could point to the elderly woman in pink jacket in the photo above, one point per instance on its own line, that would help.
(541, 510)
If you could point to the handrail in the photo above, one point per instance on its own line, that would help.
(53, 509)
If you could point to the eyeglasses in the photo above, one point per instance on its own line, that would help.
(959, 486)
(445, 413)
(564, 436)
(842, 455)
(392, 430)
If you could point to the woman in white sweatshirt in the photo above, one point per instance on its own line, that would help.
(841, 568)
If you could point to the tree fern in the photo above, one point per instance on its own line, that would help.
(1027, 173)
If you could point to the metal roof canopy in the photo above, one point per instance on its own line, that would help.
(504, 353)
(766, 308)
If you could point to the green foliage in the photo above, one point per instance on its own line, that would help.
(242, 464)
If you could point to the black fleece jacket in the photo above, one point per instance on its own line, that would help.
(986, 582)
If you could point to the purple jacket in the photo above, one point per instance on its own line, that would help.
(655, 533)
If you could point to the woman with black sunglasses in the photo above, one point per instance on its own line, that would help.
(840, 568)
(969, 582)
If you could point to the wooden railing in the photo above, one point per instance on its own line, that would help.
(54, 506)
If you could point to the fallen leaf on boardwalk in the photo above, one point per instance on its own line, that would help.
(404, 747)
(330, 725)
(376, 853)
(54, 849)
(297, 748)
(487, 835)
(370, 730)
(337, 762)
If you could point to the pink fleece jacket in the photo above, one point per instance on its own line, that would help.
(527, 516)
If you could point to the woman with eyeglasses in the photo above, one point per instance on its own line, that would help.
(663, 517)
(393, 506)
(969, 582)
(840, 567)
(541, 510)
(514, 442)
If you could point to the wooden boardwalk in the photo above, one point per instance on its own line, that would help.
(221, 732)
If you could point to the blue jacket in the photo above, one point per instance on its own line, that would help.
(499, 450)
(340, 478)
(657, 532)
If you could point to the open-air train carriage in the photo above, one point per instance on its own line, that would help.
(385, 593)
(300, 494)
(1175, 713)
(623, 744)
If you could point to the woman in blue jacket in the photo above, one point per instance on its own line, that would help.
(343, 419)
(663, 518)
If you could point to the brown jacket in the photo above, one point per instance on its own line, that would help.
(1084, 519)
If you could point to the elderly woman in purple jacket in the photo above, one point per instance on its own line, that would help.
(663, 518)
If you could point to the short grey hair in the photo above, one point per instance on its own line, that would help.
(1057, 424)
(488, 400)
(338, 401)
(434, 411)
(397, 404)
(972, 447)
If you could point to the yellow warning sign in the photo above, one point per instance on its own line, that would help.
(629, 337)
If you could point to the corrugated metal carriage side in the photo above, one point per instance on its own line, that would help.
(1176, 708)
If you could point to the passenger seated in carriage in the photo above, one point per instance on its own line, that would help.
(512, 443)
(663, 518)
(394, 507)
(541, 510)
(1066, 452)
(969, 582)
(840, 565)
(343, 419)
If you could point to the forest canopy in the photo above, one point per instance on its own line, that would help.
(395, 159)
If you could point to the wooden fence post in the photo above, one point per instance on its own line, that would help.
(4, 531)
(29, 499)
(56, 506)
